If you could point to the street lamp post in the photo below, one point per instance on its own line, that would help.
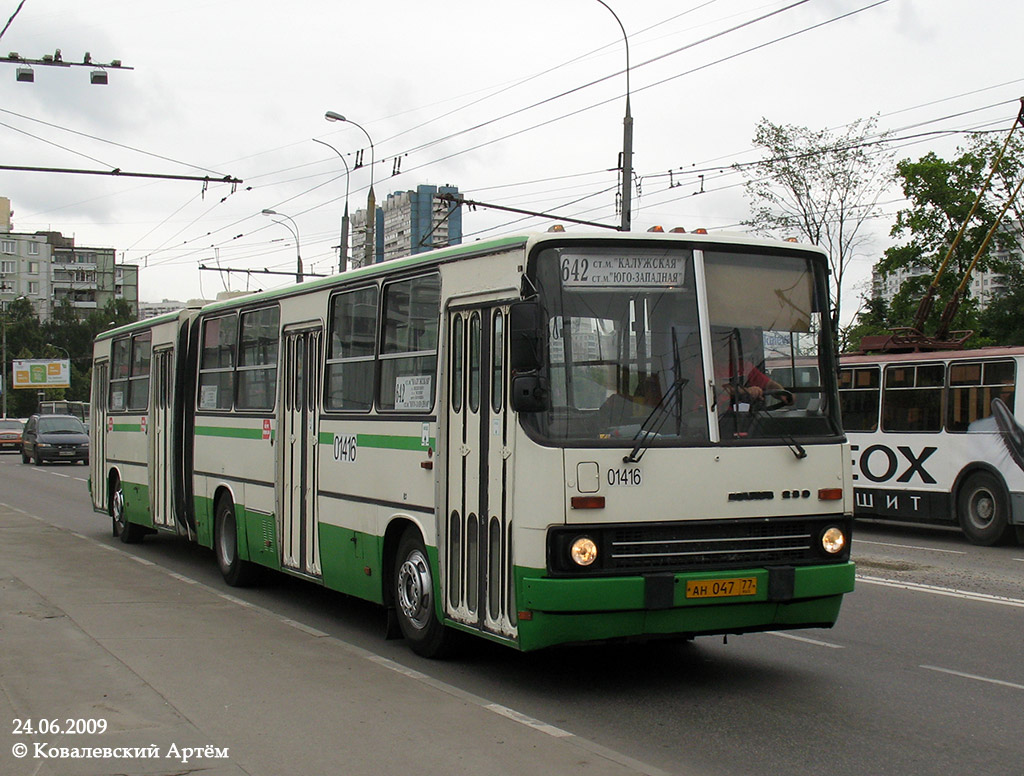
(371, 201)
(343, 249)
(295, 233)
(58, 347)
(627, 141)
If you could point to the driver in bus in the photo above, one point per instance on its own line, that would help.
(737, 380)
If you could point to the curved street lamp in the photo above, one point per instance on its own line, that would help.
(627, 140)
(295, 233)
(343, 248)
(371, 201)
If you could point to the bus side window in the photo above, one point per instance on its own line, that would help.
(120, 367)
(350, 359)
(408, 353)
(138, 381)
(216, 370)
(257, 359)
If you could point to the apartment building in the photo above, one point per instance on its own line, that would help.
(48, 269)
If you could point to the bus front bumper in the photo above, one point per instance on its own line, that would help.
(563, 610)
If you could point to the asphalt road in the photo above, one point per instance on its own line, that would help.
(923, 674)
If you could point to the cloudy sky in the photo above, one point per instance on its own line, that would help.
(518, 103)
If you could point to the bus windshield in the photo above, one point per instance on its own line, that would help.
(626, 358)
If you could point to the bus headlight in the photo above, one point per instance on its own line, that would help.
(583, 551)
(833, 541)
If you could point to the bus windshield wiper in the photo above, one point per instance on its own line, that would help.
(647, 429)
(796, 448)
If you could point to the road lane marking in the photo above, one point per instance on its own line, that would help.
(530, 722)
(805, 640)
(946, 591)
(1000, 682)
(911, 547)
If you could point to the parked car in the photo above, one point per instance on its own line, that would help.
(10, 433)
(54, 438)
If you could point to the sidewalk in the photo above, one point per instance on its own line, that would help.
(87, 633)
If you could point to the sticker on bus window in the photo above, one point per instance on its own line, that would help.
(412, 392)
(117, 400)
(208, 397)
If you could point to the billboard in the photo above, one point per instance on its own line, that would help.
(42, 373)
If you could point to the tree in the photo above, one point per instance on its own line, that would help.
(821, 187)
(27, 338)
(942, 194)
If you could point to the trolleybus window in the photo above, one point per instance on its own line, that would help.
(973, 386)
(912, 400)
(858, 398)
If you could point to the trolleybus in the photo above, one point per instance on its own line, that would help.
(937, 437)
(538, 439)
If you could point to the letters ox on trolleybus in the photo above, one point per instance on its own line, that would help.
(537, 439)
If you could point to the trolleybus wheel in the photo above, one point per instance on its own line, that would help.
(236, 572)
(129, 533)
(984, 509)
(413, 588)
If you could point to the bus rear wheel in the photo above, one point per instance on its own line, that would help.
(983, 509)
(128, 533)
(413, 590)
(236, 572)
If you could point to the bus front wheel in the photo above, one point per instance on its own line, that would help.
(413, 589)
(236, 572)
(129, 533)
(984, 509)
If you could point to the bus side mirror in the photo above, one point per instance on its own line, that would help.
(530, 393)
(524, 337)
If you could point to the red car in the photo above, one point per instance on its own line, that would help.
(10, 433)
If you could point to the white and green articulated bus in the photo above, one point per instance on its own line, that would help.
(538, 439)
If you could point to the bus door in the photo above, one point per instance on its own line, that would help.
(161, 460)
(98, 435)
(477, 529)
(297, 438)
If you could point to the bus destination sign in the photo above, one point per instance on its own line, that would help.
(663, 270)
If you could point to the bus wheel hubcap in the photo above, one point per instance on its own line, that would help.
(414, 588)
(984, 507)
(119, 507)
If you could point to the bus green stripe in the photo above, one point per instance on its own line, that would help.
(127, 427)
(231, 433)
(382, 441)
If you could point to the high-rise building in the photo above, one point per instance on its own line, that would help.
(410, 222)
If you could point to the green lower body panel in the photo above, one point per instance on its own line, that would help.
(350, 562)
(573, 610)
(136, 503)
